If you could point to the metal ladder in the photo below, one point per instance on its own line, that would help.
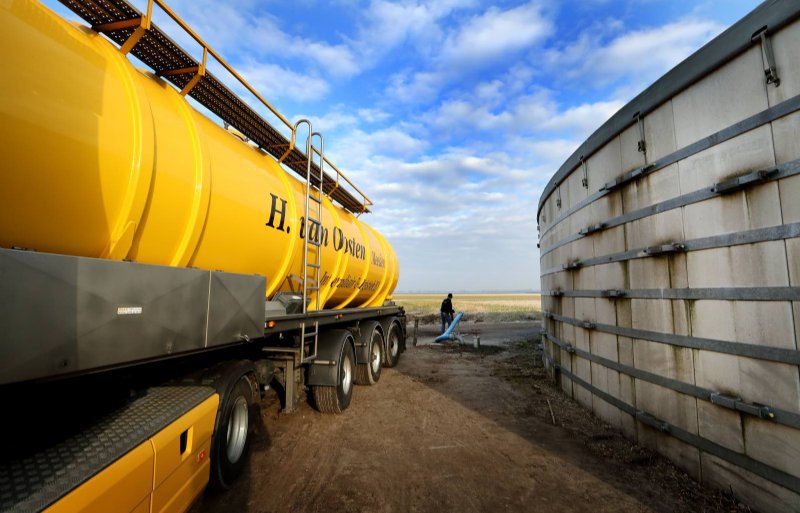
(312, 246)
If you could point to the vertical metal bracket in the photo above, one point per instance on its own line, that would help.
(558, 197)
(585, 179)
(641, 145)
(771, 71)
(201, 71)
(144, 26)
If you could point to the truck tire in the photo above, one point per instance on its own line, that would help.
(393, 342)
(231, 438)
(369, 372)
(336, 399)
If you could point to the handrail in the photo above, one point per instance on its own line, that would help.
(229, 68)
(207, 47)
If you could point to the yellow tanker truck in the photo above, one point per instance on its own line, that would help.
(159, 271)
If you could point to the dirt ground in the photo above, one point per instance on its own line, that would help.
(457, 429)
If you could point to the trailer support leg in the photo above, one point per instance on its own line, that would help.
(290, 378)
(290, 387)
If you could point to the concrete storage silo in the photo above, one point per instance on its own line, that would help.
(670, 263)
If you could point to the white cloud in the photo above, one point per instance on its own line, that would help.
(273, 81)
(534, 113)
(582, 119)
(249, 32)
(640, 56)
(418, 87)
(357, 148)
(388, 25)
(373, 115)
(333, 120)
(496, 34)
(265, 36)
(491, 38)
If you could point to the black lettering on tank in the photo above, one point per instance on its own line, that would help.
(313, 231)
(338, 238)
(281, 212)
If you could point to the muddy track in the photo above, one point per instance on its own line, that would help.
(451, 430)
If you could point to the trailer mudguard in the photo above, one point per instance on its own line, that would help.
(324, 370)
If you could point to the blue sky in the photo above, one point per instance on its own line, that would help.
(452, 115)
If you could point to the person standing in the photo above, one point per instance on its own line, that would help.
(447, 311)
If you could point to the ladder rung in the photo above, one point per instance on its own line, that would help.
(318, 200)
(315, 266)
(314, 243)
(312, 288)
(310, 334)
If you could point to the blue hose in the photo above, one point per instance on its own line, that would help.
(448, 334)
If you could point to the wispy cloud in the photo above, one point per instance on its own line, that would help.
(278, 82)
(489, 38)
(495, 34)
(633, 58)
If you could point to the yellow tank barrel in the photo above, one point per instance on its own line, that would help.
(101, 159)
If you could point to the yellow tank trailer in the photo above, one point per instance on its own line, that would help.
(102, 159)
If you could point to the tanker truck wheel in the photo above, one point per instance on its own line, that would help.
(369, 372)
(231, 438)
(335, 399)
(393, 345)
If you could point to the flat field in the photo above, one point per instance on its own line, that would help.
(476, 307)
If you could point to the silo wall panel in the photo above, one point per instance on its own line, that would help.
(722, 426)
(606, 380)
(584, 279)
(751, 265)
(627, 392)
(649, 272)
(605, 163)
(677, 409)
(729, 94)
(793, 254)
(611, 241)
(601, 167)
(575, 192)
(582, 368)
(652, 189)
(659, 132)
(757, 208)
(746, 152)
(605, 346)
(790, 191)
(784, 47)
(683, 455)
(778, 446)
(760, 323)
(663, 228)
(578, 221)
(630, 155)
(751, 488)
